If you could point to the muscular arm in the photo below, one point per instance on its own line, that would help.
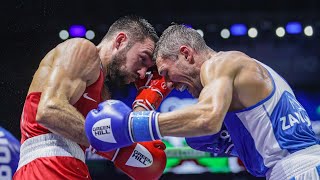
(75, 66)
(207, 115)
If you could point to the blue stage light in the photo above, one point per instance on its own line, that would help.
(77, 31)
(294, 28)
(187, 25)
(238, 30)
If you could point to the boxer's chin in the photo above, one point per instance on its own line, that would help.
(195, 93)
(117, 79)
(131, 78)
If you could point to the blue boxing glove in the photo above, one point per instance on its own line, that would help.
(113, 125)
(219, 144)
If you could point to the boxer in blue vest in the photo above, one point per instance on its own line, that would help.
(270, 130)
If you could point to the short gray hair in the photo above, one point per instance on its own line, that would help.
(174, 37)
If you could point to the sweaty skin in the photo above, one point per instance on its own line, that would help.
(73, 65)
(62, 77)
(231, 81)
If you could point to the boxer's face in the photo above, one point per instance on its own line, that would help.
(180, 74)
(131, 63)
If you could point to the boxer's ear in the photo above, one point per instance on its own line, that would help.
(187, 52)
(121, 40)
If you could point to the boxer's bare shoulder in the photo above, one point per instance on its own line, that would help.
(74, 58)
(250, 80)
(222, 64)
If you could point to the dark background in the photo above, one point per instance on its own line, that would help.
(29, 29)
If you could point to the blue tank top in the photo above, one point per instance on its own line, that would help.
(271, 129)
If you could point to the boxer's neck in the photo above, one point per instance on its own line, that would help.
(105, 54)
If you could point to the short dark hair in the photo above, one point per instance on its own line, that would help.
(137, 27)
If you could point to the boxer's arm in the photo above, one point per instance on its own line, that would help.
(76, 65)
(205, 117)
(140, 108)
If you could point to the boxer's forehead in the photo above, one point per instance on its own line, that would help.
(143, 50)
(159, 63)
(146, 47)
(163, 64)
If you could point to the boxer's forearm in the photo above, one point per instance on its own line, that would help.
(194, 120)
(139, 108)
(63, 119)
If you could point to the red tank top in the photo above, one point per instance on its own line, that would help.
(88, 101)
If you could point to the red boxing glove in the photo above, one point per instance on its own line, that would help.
(151, 90)
(144, 160)
(111, 155)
